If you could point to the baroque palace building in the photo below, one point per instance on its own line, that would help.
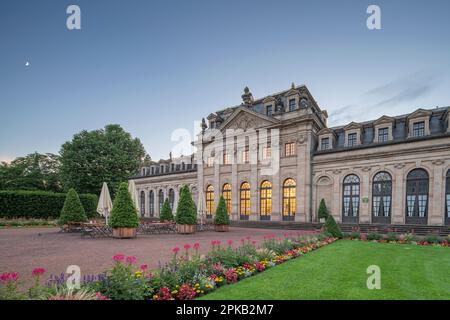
(275, 158)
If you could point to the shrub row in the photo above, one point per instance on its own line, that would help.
(40, 204)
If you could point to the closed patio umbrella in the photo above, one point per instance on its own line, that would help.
(104, 206)
(133, 193)
(201, 208)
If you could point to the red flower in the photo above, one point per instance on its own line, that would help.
(231, 275)
(38, 271)
(187, 246)
(9, 276)
(230, 242)
(118, 257)
(196, 246)
(186, 292)
(143, 267)
(175, 250)
(164, 294)
(131, 260)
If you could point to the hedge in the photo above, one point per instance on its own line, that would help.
(40, 204)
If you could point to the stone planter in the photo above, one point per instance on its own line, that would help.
(185, 228)
(221, 228)
(124, 233)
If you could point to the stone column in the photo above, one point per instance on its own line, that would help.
(364, 214)
(303, 179)
(436, 209)
(254, 187)
(398, 195)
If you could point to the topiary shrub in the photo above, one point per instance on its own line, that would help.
(221, 217)
(332, 228)
(166, 212)
(124, 213)
(72, 210)
(323, 211)
(186, 210)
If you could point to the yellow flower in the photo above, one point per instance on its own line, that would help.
(174, 291)
(198, 291)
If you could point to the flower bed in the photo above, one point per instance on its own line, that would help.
(406, 238)
(186, 276)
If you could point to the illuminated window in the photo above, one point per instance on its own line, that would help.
(226, 158)
(267, 152)
(226, 193)
(209, 201)
(289, 149)
(245, 201)
(266, 200)
(289, 190)
(210, 162)
(245, 156)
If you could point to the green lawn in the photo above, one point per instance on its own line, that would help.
(338, 271)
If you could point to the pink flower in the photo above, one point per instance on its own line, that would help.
(187, 246)
(143, 267)
(254, 242)
(9, 276)
(131, 260)
(118, 257)
(248, 237)
(242, 240)
(230, 242)
(175, 250)
(196, 246)
(38, 271)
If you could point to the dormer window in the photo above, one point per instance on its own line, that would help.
(269, 110)
(352, 139)
(419, 129)
(325, 143)
(383, 134)
(292, 104)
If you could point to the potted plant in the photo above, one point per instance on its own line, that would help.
(323, 211)
(186, 217)
(72, 212)
(124, 217)
(221, 219)
(166, 212)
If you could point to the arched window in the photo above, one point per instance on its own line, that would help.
(289, 190)
(266, 200)
(209, 201)
(160, 199)
(171, 198)
(382, 197)
(447, 198)
(151, 203)
(417, 197)
(226, 193)
(142, 203)
(350, 199)
(245, 200)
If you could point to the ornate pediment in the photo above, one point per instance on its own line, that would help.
(353, 125)
(244, 119)
(419, 113)
(383, 119)
(326, 131)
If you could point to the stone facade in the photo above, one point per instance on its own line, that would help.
(393, 170)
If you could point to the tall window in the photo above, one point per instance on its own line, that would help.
(210, 162)
(383, 134)
(171, 198)
(267, 152)
(266, 200)
(151, 203)
(142, 203)
(289, 189)
(226, 158)
(324, 143)
(160, 199)
(289, 149)
(447, 198)
(351, 139)
(382, 197)
(245, 156)
(226, 193)
(419, 129)
(245, 200)
(292, 104)
(209, 201)
(417, 197)
(269, 110)
(350, 200)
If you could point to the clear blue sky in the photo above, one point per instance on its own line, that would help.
(155, 66)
